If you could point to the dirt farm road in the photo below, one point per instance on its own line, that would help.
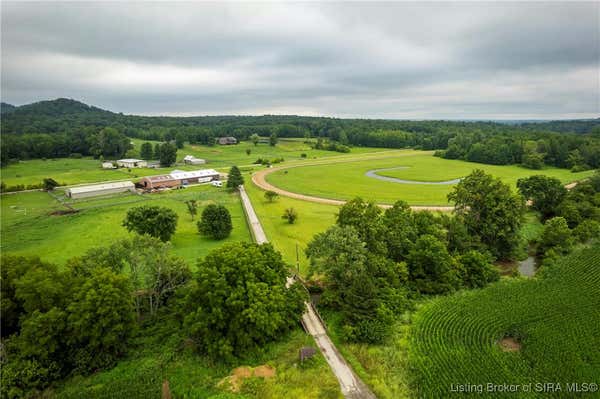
(259, 179)
(351, 386)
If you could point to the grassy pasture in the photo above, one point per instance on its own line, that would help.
(71, 171)
(313, 218)
(28, 229)
(335, 180)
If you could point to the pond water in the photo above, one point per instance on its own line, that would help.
(527, 267)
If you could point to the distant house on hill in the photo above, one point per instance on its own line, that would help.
(192, 160)
(132, 163)
(99, 189)
(227, 140)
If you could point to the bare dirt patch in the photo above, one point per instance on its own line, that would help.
(509, 344)
(62, 212)
(234, 381)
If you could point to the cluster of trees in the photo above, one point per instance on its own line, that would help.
(62, 127)
(373, 261)
(58, 322)
(532, 150)
(569, 216)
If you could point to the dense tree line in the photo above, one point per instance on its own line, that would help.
(62, 127)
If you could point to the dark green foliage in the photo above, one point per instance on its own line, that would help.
(271, 195)
(215, 222)
(365, 218)
(109, 142)
(546, 193)
(179, 140)
(273, 139)
(477, 270)
(156, 221)
(431, 269)
(491, 212)
(255, 139)
(192, 206)
(156, 154)
(556, 236)
(167, 155)
(239, 301)
(50, 184)
(234, 178)
(587, 230)
(146, 151)
(291, 215)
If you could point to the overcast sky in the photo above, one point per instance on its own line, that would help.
(376, 60)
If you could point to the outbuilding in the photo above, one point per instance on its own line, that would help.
(132, 163)
(192, 160)
(160, 181)
(108, 165)
(227, 140)
(95, 190)
(195, 176)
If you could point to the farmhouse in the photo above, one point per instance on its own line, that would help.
(160, 181)
(132, 163)
(195, 176)
(99, 189)
(192, 160)
(227, 140)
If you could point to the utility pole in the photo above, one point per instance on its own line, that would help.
(297, 260)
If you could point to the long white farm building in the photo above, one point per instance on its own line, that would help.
(94, 190)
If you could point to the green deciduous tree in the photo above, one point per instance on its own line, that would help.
(168, 154)
(156, 221)
(546, 193)
(273, 139)
(146, 151)
(50, 184)
(556, 235)
(477, 269)
(290, 215)
(491, 212)
(179, 140)
(239, 300)
(255, 139)
(215, 222)
(192, 206)
(431, 269)
(271, 195)
(365, 218)
(234, 178)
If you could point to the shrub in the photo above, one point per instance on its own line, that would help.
(156, 221)
(290, 215)
(215, 222)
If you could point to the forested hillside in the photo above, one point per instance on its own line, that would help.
(62, 127)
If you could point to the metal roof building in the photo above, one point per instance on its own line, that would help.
(99, 189)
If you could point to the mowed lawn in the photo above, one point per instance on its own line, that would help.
(346, 180)
(29, 229)
(313, 218)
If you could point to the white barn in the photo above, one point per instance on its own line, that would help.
(99, 189)
(192, 160)
(132, 163)
(195, 176)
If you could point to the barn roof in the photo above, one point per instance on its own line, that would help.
(177, 174)
(101, 187)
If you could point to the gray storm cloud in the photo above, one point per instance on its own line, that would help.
(382, 60)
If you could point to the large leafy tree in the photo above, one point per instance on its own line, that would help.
(365, 218)
(234, 179)
(215, 222)
(556, 235)
(156, 221)
(109, 142)
(431, 268)
(477, 270)
(546, 193)
(239, 300)
(146, 151)
(491, 212)
(168, 154)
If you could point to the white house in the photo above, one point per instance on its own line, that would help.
(108, 165)
(192, 160)
(132, 163)
(99, 189)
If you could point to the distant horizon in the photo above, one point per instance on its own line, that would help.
(506, 120)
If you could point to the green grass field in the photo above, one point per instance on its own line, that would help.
(313, 218)
(334, 180)
(28, 229)
(71, 171)
(454, 340)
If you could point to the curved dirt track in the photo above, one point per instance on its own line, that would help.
(258, 178)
